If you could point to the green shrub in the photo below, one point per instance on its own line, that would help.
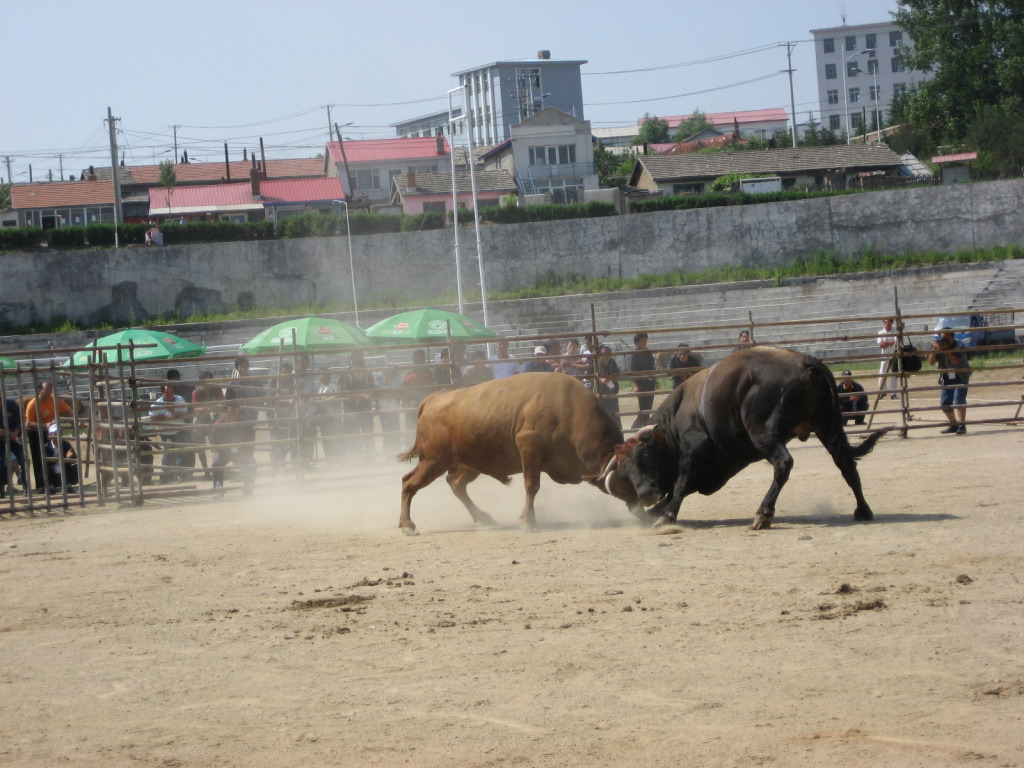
(371, 223)
(66, 237)
(99, 234)
(17, 238)
(526, 213)
(420, 221)
(307, 225)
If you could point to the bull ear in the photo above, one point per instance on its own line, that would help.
(651, 434)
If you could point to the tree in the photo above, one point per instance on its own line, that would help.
(168, 178)
(692, 125)
(653, 130)
(604, 162)
(974, 50)
(5, 196)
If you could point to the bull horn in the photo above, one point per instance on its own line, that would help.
(601, 481)
(644, 430)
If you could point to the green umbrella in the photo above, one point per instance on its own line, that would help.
(7, 363)
(168, 346)
(426, 325)
(311, 334)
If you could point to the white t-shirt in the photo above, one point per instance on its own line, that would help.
(502, 369)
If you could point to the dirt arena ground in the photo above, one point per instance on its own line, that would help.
(300, 628)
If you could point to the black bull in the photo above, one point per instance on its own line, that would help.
(744, 409)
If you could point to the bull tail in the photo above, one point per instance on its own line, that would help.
(408, 455)
(868, 443)
(838, 443)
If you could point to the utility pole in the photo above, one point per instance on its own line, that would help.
(175, 159)
(60, 159)
(118, 213)
(344, 158)
(789, 70)
(10, 179)
(329, 123)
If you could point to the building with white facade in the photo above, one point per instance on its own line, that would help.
(504, 93)
(860, 70)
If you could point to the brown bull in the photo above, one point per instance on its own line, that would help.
(529, 423)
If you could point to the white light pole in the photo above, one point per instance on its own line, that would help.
(351, 262)
(455, 193)
(846, 92)
(874, 80)
(476, 221)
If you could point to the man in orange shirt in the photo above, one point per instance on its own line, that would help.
(41, 409)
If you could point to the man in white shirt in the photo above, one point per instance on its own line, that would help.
(169, 412)
(503, 364)
(887, 345)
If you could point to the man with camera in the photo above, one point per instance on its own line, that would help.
(954, 374)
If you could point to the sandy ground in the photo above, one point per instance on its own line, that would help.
(300, 628)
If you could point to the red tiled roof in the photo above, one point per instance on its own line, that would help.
(377, 150)
(692, 146)
(220, 196)
(962, 157)
(772, 115)
(208, 197)
(301, 190)
(61, 194)
(199, 172)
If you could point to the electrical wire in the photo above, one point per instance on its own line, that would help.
(709, 60)
(685, 95)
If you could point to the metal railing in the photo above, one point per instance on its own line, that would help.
(291, 425)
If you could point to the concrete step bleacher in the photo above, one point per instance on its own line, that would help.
(929, 290)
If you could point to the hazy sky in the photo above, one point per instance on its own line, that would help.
(226, 70)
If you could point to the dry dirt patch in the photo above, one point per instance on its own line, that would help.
(301, 628)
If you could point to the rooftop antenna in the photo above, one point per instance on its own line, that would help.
(842, 12)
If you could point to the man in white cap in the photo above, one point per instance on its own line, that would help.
(852, 400)
(539, 364)
(61, 460)
(954, 375)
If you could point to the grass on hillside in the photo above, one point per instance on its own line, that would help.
(820, 264)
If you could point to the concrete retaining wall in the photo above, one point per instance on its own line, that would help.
(934, 290)
(137, 283)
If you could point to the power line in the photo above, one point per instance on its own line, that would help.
(694, 62)
(684, 95)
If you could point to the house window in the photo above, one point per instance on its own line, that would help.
(834, 122)
(833, 96)
(830, 71)
(898, 89)
(366, 179)
(897, 64)
(829, 45)
(434, 207)
(852, 70)
(874, 89)
(895, 39)
(560, 155)
(872, 66)
(854, 95)
(871, 41)
(851, 42)
(688, 189)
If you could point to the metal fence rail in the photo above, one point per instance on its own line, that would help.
(292, 424)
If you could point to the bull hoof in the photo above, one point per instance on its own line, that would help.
(761, 522)
(527, 527)
(660, 522)
(486, 520)
(863, 514)
(410, 530)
